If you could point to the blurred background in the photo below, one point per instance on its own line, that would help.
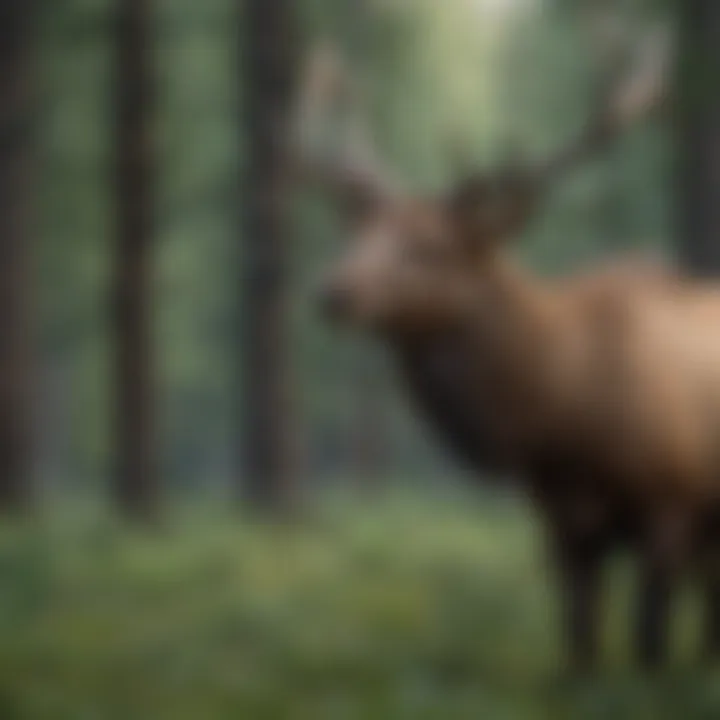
(216, 507)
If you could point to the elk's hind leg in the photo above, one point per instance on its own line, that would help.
(711, 635)
(708, 567)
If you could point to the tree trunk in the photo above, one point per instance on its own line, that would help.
(698, 136)
(369, 434)
(136, 479)
(268, 419)
(15, 236)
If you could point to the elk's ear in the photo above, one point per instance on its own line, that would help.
(493, 209)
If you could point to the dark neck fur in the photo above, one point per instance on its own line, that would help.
(464, 380)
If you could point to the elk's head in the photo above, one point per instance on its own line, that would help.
(414, 264)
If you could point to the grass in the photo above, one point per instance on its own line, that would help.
(417, 610)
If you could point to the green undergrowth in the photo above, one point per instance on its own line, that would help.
(407, 609)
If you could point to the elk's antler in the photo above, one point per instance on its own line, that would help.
(332, 143)
(634, 88)
(500, 203)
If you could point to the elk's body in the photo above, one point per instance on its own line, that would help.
(529, 365)
(616, 369)
(615, 372)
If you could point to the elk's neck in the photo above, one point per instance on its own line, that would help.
(513, 325)
(484, 381)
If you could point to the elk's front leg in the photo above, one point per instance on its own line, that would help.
(580, 560)
(663, 553)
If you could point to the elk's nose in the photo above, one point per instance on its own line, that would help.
(334, 300)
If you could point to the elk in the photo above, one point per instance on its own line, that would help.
(601, 389)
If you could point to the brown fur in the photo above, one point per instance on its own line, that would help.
(602, 389)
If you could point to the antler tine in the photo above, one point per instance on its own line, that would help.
(331, 141)
(635, 87)
(646, 91)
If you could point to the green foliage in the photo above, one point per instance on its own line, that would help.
(416, 610)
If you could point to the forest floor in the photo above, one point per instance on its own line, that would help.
(422, 610)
